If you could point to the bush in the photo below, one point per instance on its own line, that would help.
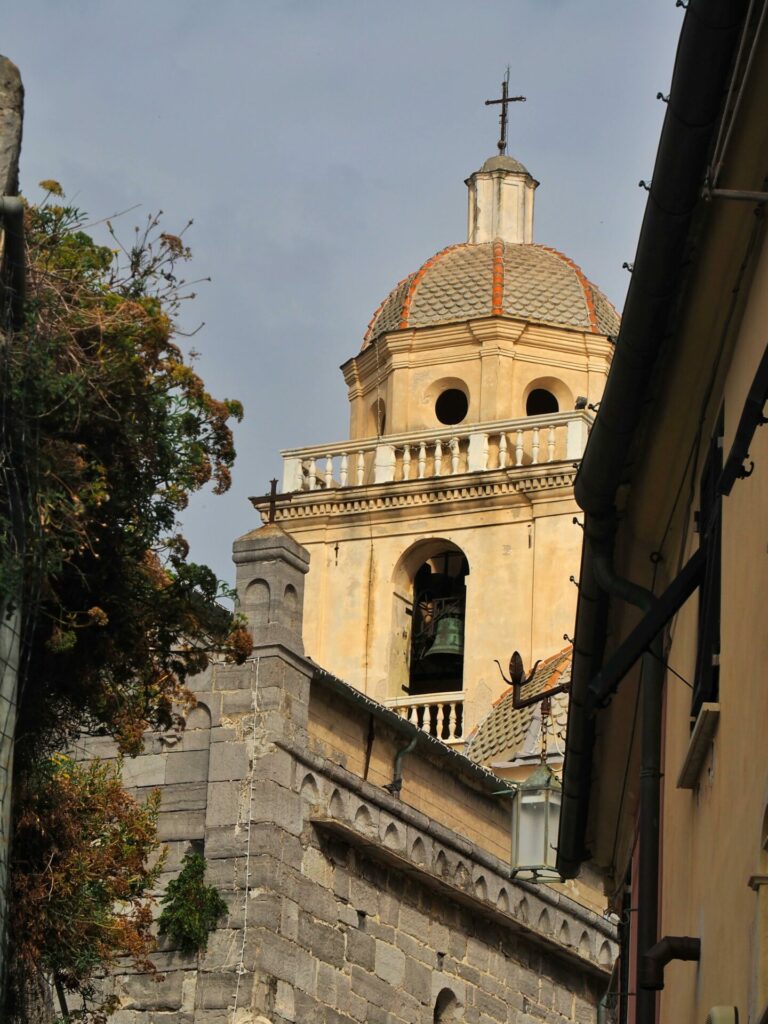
(191, 909)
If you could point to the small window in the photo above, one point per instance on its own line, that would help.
(540, 402)
(451, 406)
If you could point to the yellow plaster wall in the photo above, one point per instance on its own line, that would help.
(521, 552)
(497, 360)
(711, 835)
(339, 731)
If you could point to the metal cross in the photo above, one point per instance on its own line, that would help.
(505, 99)
(273, 498)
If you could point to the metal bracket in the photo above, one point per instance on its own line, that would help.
(741, 195)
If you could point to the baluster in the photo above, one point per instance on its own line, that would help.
(312, 474)
(519, 448)
(535, 447)
(406, 461)
(448, 718)
(455, 451)
(360, 468)
(422, 460)
(502, 450)
(328, 471)
(551, 445)
(343, 469)
(438, 457)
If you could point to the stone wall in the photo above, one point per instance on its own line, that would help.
(347, 903)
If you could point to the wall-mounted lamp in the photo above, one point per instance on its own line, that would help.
(536, 801)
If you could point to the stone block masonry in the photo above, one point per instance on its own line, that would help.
(346, 903)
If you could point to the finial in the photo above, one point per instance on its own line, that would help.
(505, 99)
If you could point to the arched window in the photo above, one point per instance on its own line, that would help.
(540, 402)
(437, 629)
(429, 604)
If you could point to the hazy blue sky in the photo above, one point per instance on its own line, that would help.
(321, 148)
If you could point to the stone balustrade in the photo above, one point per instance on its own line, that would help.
(427, 454)
(439, 714)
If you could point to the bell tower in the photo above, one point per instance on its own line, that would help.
(440, 531)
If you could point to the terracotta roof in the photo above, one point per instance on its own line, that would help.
(502, 734)
(467, 282)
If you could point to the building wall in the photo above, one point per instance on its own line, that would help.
(496, 360)
(716, 843)
(521, 547)
(347, 903)
(713, 828)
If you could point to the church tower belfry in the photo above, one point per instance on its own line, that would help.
(440, 531)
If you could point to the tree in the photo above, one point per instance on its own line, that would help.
(106, 431)
(82, 877)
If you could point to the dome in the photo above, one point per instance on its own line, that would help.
(523, 281)
(503, 162)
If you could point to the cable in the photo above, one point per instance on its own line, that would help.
(379, 419)
(241, 963)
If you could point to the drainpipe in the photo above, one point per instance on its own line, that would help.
(652, 688)
(671, 947)
(396, 784)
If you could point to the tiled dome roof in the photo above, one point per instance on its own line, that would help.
(502, 733)
(523, 281)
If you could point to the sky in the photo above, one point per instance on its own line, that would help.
(321, 147)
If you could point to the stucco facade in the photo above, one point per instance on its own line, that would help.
(468, 417)
(690, 529)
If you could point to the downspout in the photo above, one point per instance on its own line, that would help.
(396, 784)
(671, 947)
(705, 54)
(651, 696)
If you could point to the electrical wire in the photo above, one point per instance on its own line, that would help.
(240, 971)
(369, 593)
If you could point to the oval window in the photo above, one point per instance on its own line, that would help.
(451, 406)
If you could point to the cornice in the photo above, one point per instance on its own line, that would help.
(494, 488)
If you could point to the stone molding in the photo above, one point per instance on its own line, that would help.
(414, 493)
(455, 849)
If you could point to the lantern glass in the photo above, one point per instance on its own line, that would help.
(536, 816)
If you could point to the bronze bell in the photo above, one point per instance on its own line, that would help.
(449, 636)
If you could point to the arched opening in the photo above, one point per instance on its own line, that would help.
(447, 1008)
(445, 400)
(437, 626)
(291, 606)
(544, 396)
(256, 602)
(540, 402)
